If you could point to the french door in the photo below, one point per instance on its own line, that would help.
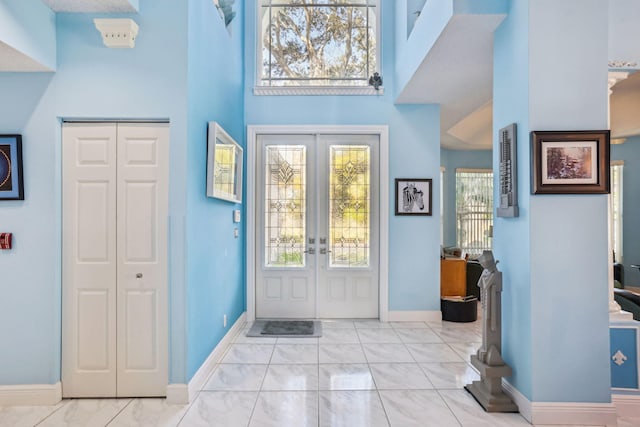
(317, 216)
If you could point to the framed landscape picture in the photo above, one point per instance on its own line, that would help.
(11, 182)
(570, 162)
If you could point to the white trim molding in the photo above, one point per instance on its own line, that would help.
(182, 394)
(30, 394)
(415, 316)
(627, 405)
(252, 135)
(317, 90)
(117, 33)
(565, 413)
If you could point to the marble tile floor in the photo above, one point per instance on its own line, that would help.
(359, 373)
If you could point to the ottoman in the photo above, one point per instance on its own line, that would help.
(459, 309)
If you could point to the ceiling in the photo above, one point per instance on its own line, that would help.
(457, 73)
(13, 60)
(94, 6)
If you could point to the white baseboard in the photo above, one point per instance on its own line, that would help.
(178, 394)
(414, 316)
(566, 413)
(524, 404)
(627, 405)
(30, 394)
(181, 394)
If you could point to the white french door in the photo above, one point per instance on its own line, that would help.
(114, 271)
(317, 226)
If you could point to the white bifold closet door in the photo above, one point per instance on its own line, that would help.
(114, 260)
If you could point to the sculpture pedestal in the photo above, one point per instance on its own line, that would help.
(488, 391)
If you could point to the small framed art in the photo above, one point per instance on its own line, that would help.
(413, 196)
(570, 162)
(11, 181)
(224, 165)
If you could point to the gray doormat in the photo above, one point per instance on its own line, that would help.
(286, 328)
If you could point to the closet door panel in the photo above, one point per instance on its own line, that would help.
(142, 259)
(89, 260)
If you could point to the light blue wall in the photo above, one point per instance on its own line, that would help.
(452, 160)
(511, 238)
(630, 153)
(414, 152)
(30, 28)
(215, 267)
(575, 36)
(91, 81)
(555, 297)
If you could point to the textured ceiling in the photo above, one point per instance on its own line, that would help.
(95, 6)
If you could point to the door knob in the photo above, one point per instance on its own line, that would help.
(310, 251)
(139, 276)
(324, 251)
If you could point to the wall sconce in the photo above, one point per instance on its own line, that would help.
(117, 33)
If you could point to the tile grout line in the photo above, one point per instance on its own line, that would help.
(120, 411)
(53, 412)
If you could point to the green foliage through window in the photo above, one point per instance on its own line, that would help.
(318, 42)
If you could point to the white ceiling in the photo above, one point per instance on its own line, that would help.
(95, 6)
(457, 73)
(625, 107)
(13, 60)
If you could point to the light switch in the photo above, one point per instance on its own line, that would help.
(236, 215)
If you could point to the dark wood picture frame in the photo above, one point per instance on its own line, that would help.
(570, 162)
(11, 180)
(414, 196)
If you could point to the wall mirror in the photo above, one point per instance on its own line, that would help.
(224, 165)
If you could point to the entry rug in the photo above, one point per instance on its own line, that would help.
(286, 329)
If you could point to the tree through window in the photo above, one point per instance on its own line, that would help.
(317, 42)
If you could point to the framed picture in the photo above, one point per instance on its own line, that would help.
(413, 196)
(570, 162)
(224, 165)
(11, 182)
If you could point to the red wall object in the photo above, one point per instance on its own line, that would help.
(5, 240)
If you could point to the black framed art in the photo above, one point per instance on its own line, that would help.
(11, 181)
(413, 196)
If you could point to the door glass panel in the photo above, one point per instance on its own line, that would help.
(285, 205)
(349, 205)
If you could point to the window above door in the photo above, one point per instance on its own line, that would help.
(317, 47)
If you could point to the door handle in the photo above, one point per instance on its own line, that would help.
(310, 251)
(324, 251)
(139, 276)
